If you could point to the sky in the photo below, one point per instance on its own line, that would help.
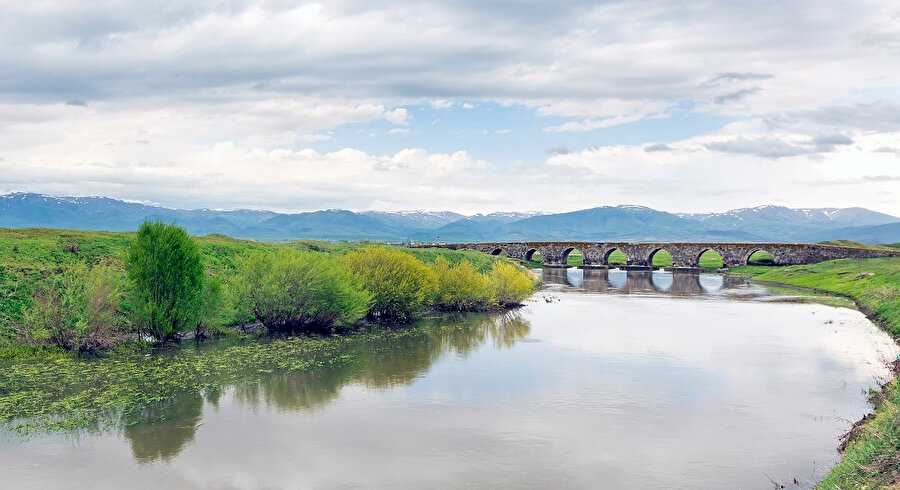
(469, 106)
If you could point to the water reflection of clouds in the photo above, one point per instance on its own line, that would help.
(690, 332)
(634, 391)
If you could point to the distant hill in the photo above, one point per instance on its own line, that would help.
(763, 223)
(878, 234)
(604, 223)
(790, 223)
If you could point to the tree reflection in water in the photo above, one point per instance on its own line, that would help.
(386, 363)
(162, 433)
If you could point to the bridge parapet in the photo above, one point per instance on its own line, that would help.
(684, 254)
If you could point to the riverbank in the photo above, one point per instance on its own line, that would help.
(871, 457)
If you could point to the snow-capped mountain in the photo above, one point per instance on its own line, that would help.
(415, 219)
(624, 222)
(793, 223)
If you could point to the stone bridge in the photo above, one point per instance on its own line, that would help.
(685, 255)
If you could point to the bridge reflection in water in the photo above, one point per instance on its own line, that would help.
(615, 281)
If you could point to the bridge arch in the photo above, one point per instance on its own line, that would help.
(763, 255)
(530, 255)
(698, 260)
(564, 258)
(655, 254)
(609, 253)
(497, 251)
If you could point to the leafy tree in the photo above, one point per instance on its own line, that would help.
(296, 290)
(461, 287)
(399, 282)
(509, 284)
(79, 310)
(166, 273)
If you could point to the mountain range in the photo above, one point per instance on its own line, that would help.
(762, 223)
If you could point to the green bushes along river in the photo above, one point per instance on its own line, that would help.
(84, 292)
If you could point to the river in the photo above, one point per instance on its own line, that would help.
(602, 380)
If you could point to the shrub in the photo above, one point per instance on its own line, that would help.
(79, 310)
(213, 311)
(461, 287)
(166, 273)
(399, 282)
(296, 290)
(509, 284)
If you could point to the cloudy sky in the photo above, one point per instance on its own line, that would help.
(471, 106)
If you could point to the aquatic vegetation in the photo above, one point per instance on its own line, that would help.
(131, 386)
(66, 393)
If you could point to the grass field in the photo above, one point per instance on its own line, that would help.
(872, 459)
(29, 257)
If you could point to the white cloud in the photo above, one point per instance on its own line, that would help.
(397, 116)
(227, 174)
(442, 104)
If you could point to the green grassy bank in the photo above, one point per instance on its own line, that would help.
(871, 457)
(30, 259)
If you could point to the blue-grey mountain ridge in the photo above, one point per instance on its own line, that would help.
(609, 223)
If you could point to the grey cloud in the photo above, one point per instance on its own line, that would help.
(881, 178)
(871, 116)
(658, 147)
(827, 143)
(78, 103)
(765, 147)
(886, 149)
(560, 149)
(731, 76)
(771, 147)
(397, 49)
(832, 140)
(736, 95)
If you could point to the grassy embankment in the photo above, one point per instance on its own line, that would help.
(872, 456)
(29, 258)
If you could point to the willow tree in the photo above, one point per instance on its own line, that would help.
(166, 272)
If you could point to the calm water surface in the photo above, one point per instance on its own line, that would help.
(604, 380)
